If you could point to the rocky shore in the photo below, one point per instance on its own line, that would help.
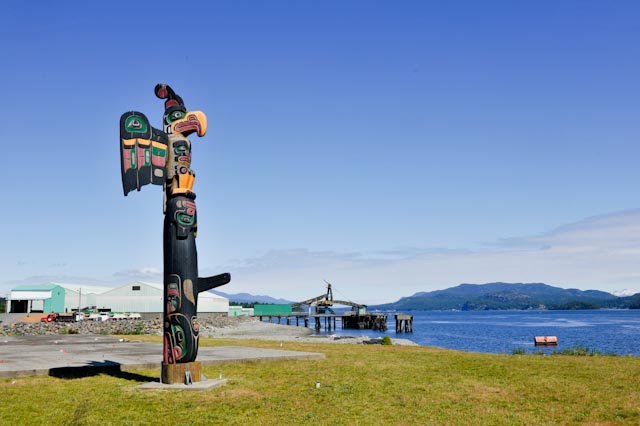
(222, 327)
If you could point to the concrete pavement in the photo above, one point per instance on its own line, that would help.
(59, 355)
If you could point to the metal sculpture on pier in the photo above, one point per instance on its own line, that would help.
(163, 157)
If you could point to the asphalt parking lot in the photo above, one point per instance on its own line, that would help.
(58, 355)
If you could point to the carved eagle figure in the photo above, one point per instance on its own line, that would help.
(144, 149)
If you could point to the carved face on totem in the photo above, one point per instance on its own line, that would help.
(177, 120)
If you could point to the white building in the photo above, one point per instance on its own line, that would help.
(148, 297)
(135, 297)
(80, 296)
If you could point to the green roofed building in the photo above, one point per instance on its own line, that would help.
(37, 298)
(274, 310)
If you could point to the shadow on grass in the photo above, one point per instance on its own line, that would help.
(95, 368)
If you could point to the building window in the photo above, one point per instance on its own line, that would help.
(135, 288)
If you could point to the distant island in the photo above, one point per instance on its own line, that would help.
(514, 296)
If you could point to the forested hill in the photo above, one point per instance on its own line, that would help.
(473, 297)
(250, 298)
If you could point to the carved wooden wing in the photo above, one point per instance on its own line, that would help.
(143, 152)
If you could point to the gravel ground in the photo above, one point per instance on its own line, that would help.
(229, 327)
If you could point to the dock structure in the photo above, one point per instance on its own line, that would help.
(370, 321)
(404, 323)
(288, 318)
(319, 312)
(347, 320)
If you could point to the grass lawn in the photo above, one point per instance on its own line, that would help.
(359, 385)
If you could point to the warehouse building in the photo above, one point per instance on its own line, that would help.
(77, 297)
(36, 298)
(140, 297)
(147, 297)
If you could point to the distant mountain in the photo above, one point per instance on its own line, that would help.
(495, 296)
(250, 298)
(631, 302)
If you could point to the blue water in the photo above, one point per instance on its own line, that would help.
(606, 331)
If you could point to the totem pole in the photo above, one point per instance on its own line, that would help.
(163, 157)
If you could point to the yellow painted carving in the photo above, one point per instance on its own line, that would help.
(186, 181)
(144, 142)
(182, 183)
(128, 142)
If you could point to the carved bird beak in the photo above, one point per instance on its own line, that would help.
(194, 121)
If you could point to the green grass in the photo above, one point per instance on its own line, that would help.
(575, 351)
(582, 351)
(359, 385)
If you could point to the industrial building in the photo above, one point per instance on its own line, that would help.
(141, 297)
(239, 311)
(147, 297)
(36, 298)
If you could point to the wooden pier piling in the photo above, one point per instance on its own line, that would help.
(404, 323)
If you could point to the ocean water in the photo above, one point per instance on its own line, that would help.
(606, 331)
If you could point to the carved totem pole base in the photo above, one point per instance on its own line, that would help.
(177, 373)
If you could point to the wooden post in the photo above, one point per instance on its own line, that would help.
(176, 373)
(404, 323)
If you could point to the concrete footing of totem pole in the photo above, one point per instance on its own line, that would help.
(187, 376)
(187, 372)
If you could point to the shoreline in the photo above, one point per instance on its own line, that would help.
(252, 328)
(223, 327)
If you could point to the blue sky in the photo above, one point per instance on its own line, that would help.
(387, 147)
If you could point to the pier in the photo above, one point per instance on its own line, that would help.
(347, 320)
(319, 312)
(288, 318)
(357, 318)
